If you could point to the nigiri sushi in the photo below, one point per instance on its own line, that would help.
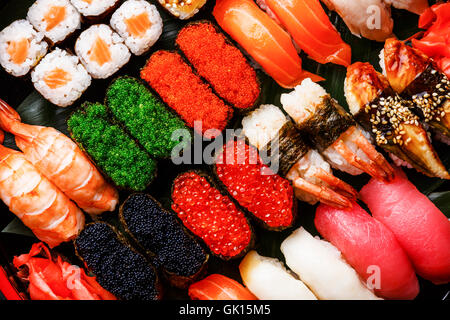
(420, 227)
(396, 128)
(56, 19)
(322, 268)
(311, 29)
(311, 175)
(60, 78)
(139, 24)
(102, 51)
(368, 18)
(417, 79)
(21, 47)
(371, 248)
(265, 195)
(219, 287)
(182, 9)
(333, 131)
(268, 279)
(263, 39)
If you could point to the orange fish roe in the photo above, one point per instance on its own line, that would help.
(100, 52)
(18, 50)
(57, 78)
(54, 16)
(210, 215)
(184, 91)
(263, 193)
(138, 25)
(220, 63)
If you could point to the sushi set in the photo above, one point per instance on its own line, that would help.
(333, 185)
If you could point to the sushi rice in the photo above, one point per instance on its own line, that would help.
(61, 92)
(93, 8)
(139, 23)
(57, 19)
(12, 36)
(101, 51)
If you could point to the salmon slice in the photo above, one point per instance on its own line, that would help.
(57, 78)
(18, 50)
(138, 25)
(54, 16)
(100, 52)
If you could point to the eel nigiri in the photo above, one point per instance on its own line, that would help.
(312, 30)
(268, 279)
(321, 267)
(420, 227)
(417, 79)
(368, 18)
(370, 248)
(333, 131)
(395, 127)
(219, 287)
(263, 39)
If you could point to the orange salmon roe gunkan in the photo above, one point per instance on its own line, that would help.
(265, 194)
(220, 63)
(185, 92)
(210, 215)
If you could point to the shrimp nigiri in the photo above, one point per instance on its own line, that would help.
(311, 29)
(334, 132)
(59, 159)
(40, 205)
(376, 106)
(263, 39)
(311, 175)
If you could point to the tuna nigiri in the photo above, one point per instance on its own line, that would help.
(370, 248)
(263, 39)
(219, 287)
(312, 30)
(421, 228)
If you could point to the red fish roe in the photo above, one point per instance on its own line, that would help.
(266, 195)
(220, 63)
(185, 92)
(210, 215)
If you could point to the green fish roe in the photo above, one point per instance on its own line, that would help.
(144, 116)
(115, 153)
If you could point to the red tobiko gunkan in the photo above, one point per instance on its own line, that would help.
(210, 215)
(266, 195)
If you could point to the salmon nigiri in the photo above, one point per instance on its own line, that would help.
(421, 228)
(219, 287)
(59, 159)
(370, 248)
(312, 30)
(40, 205)
(263, 39)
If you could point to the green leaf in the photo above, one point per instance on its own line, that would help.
(17, 227)
(442, 201)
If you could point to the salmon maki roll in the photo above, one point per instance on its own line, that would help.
(56, 19)
(101, 51)
(60, 78)
(186, 93)
(420, 227)
(139, 24)
(220, 63)
(94, 9)
(21, 48)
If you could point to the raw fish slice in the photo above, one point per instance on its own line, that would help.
(321, 267)
(268, 279)
(100, 52)
(263, 39)
(57, 78)
(370, 248)
(138, 25)
(54, 16)
(422, 229)
(312, 30)
(18, 50)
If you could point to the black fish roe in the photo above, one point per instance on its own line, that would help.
(159, 232)
(119, 269)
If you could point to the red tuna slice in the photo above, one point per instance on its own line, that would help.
(420, 227)
(370, 248)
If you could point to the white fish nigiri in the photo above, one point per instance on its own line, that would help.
(268, 279)
(322, 268)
